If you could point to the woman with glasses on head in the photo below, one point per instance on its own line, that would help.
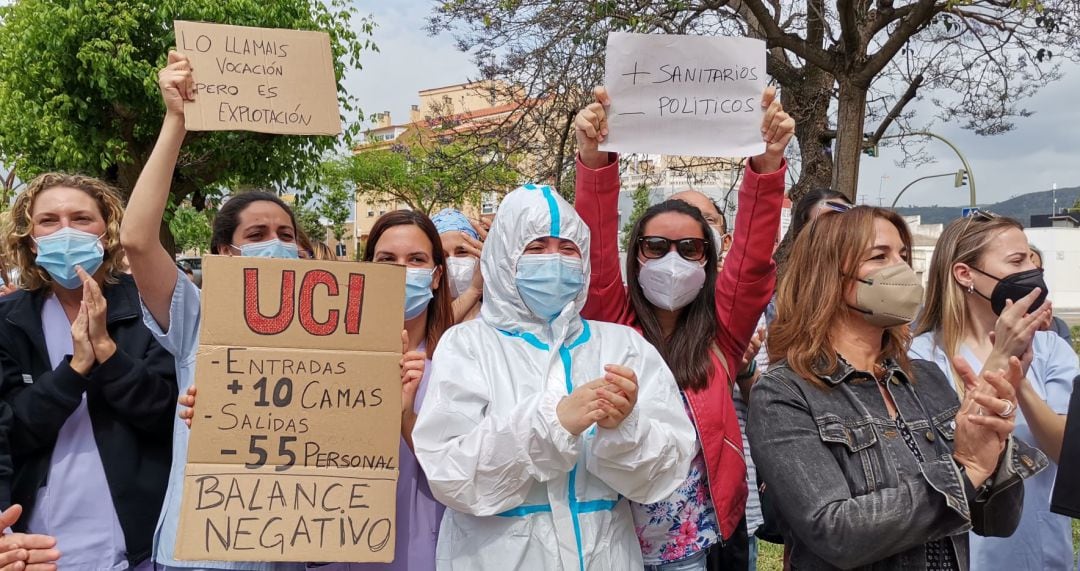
(699, 323)
(873, 461)
(985, 302)
(814, 203)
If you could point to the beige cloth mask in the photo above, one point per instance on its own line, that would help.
(890, 296)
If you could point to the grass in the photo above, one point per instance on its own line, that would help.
(771, 555)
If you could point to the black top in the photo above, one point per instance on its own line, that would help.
(1066, 498)
(131, 399)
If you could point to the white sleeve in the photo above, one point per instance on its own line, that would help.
(478, 459)
(185, 312)
(648, 455)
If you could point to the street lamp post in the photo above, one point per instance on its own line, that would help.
(912, 183)
(963, 160)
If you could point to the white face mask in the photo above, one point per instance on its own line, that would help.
(460, 272)
(671, 282)
(717, 237)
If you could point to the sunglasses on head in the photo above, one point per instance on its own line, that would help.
(980, 214)
(653, 247)
(836, 206)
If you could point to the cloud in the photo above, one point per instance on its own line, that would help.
(408, 60)
(1041, 150)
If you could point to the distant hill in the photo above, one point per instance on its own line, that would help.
(1019, 207)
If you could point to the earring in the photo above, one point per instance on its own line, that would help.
(971, 288)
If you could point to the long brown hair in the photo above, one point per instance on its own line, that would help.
(19, 226)
(687, 351)
(810, 298)
(440, 315)
(962, 242)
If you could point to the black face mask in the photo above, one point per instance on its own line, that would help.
(1014, 287)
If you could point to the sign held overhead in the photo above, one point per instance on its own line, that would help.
(259, 79)
(684, 95)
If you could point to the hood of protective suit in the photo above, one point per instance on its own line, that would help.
(529, 212)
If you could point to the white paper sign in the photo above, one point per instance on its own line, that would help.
(684, 95)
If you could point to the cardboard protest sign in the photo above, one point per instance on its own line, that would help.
(259, 79)
(684, 95)
(294, 446)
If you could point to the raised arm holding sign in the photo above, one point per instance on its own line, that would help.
(684, 95)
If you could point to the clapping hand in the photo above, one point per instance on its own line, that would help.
(986, 419)
(618, 395)
(25, 551)
(90, 339)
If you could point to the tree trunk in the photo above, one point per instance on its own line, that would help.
(850, 119)
(808, 102)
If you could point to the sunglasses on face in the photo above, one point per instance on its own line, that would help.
(654, 247)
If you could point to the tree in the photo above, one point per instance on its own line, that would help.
(307, 218)
(841, 65)
(326, 206)
(9, 185)
(642, 201)
(191, 229)
(334, 209)
(428, 172)
(337, 195)
(78, 90)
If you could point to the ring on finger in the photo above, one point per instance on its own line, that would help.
(1009, 411)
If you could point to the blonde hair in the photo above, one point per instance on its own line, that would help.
(19, 226)
(810, 298)
(320, 251)
(945, 314)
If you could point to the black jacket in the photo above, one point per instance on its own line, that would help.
(1066, 498)
(131, 399)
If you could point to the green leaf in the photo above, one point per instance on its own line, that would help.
(78, 90)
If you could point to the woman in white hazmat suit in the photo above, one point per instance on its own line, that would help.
(534, 478)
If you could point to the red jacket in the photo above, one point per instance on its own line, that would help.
(743, 290)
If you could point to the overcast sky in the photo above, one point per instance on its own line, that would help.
(1042, 150)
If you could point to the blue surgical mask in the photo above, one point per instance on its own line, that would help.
(548, 282)
(59, 253)
(273, 248)
(417, 290)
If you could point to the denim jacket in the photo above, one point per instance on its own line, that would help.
(851, 493)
